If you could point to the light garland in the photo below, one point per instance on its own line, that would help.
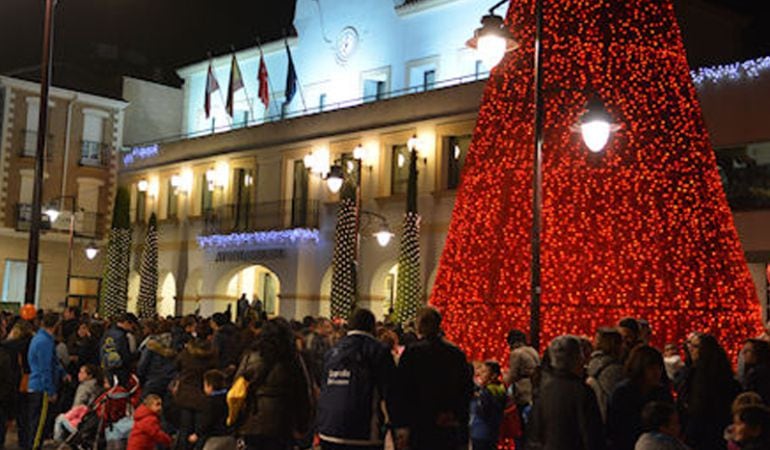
(642, 230)
(141, 152)
(734, 72)
(275, 238)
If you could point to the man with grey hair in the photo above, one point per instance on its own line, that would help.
(566, 415)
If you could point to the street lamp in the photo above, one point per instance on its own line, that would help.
(384, 235)
(492, 41)
(335, 178)
(91, 250)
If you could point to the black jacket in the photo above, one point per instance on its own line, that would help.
(566, 415)
(157, 364)
(191, 364)
(356, 377)
(213, 418)
(624, 413)
(435, 386)
(7, 387)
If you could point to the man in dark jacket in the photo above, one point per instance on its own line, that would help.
(435, 385)
(114, 351)
(226, 342)
(566, 415)
(7, 391)
(356, 380)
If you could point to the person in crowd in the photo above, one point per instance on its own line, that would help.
(566, 415)
(17, 346)
(89, 385)
(673, 361)
(756, 357)
(642, 384)
(157, 358)
(487, 406)
(196, 359)
(662, 429)
(45, 375)
(751, 427)
(319, 341)
(523, 363)
(278, 403)
(7, 391)
(356, 389)
(435, 385)
(242, 308)
(605, 370)
(645, 331)
(708, 392)
(226, 342)
(70, 322)
(629, 329)
(83, 347)
(211, 430)
(185, 332)
(742, 400)
(147, 433)
(115, 351)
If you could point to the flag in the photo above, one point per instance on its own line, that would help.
(236, 83)
(291, 78)
(264, 90)
(211, 87)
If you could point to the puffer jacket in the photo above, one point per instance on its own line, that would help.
(277, 402)
(157, 366)
(191, 364)
(87, 392)
(604, 374)
(147, 433)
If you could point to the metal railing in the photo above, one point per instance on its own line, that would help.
(94, 154)
(251, 217)
(87, 224)
(326, 107)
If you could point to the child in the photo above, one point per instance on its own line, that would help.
(147, 433)
(751, 427)
(88, 390)
(487, 406)
(741, 401)
(672, 361)
(212, 427)
(661, 423)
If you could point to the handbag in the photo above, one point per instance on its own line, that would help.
(236, 399)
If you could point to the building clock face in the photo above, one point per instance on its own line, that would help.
(347, 42)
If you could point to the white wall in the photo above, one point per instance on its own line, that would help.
(154, 111)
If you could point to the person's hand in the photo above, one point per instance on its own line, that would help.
(401, 438)
(193, 438)
(53, 398)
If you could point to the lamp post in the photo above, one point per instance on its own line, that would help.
(33, 251)
(493, 40)
(91, 249)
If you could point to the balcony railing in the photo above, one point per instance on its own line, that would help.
(251, 217)
(94, 154)
(29, 146)
(87, 224)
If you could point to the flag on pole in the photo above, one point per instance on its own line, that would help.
(211, 87)
(236, 83)
(291, 78)
(264, 90)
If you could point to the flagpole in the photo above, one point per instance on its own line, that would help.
(222, 99)
(269, 83)
(243, 81)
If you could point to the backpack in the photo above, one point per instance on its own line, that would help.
(111, 358)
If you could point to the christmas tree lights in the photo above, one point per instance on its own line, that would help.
(343, 294)
(409, 288)
(114, 289)
(642, 230)
(148, 272)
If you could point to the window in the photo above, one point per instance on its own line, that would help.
(172, 204)
(321, 102)
(141, 206)
(399, 169)
(30, 133)
(15, 280)
(244, 180)
(374, 90)
(455, 151)
(428, 79)
(299, 199)
(93, 135)
(207, 195)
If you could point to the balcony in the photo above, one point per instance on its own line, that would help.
(94, 154)
(87, 224)
(29, 146)
(266, 216)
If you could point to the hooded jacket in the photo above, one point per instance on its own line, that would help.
(156, 366)
(192, 363)
(146, 433)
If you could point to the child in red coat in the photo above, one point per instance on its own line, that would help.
(147, 433)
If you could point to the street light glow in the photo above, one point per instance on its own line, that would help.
(52, 213)
(334, 179)
(383, 237)
(596, 134)
(491, 48)
(91, 251)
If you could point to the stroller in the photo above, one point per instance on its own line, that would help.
(108, 420)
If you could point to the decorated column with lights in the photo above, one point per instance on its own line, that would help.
(409, 288)
(344, 269)
(641, 230)
(114, 290)
(148, 272)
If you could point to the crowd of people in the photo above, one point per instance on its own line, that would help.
(251, 382)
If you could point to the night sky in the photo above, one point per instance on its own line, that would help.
(96, 40)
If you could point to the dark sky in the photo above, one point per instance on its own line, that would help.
(97, 39)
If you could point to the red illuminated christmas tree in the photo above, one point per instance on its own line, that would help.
(642, 229)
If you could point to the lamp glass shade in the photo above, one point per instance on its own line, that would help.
(491, 48)
(383, 237)
(596, 134)
(334, 182)
(91, 251)
(52, 213)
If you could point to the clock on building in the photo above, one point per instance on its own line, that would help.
(347, 42)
